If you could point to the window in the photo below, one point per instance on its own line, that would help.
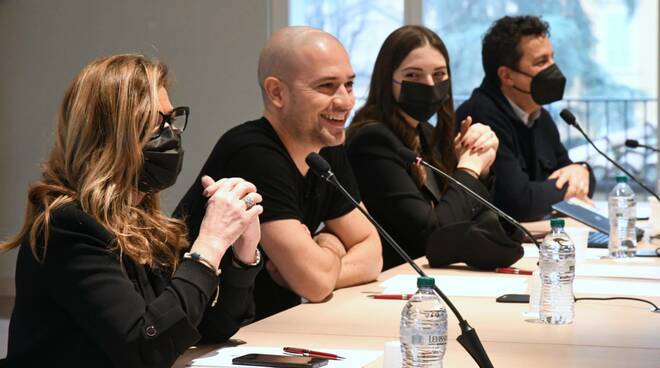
(608, 50)
(360, 25)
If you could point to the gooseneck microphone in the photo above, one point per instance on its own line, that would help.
(468, 337)
(411, 157)
(633, 143)
(570, 119)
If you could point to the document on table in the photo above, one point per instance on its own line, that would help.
(223, 357)
(493, 286)
(618, 287)
(530, 251)
(477, 285)
(625, 268)
(588, 264)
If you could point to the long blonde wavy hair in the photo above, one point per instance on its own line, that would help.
(107, 115)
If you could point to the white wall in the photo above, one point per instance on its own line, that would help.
(211, 46)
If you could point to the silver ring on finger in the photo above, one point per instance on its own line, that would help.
(249, 202)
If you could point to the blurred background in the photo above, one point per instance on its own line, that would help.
(608, 50)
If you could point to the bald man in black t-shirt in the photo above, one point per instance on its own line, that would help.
(306, 81)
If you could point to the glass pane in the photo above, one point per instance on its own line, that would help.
(360, 25)
(608, 50)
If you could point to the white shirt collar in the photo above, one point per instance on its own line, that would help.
(527, 119)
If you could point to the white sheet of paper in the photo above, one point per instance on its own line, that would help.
(223, 357)
(489, 286)
(616, 287)
(485, 286)
(625, 268)
(531, 251)
(635, 267)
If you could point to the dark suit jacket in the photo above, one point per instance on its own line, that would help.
(423, 220)
(84, 307)
(525, 158)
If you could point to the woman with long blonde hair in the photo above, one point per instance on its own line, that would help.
(103, 277)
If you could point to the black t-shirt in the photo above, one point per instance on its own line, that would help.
(254, 152)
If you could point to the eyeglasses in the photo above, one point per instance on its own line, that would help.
(177, 119)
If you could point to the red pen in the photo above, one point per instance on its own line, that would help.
(311, 353)
(391, 296)
(513, 270)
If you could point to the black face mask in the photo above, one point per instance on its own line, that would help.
(547, 85)
(163, 158)
(421, 101)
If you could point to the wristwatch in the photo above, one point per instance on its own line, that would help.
(241, 264)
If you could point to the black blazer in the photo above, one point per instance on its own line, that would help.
(525, 158)
(86, 307)
(423, 220)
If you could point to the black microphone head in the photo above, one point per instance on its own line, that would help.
(632, 143)
(568, 117)
(407, 155)
(318, 164)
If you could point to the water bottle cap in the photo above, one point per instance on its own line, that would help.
(621, 179)
(557, 222)
(425, 282)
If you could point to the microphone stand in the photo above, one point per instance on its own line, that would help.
(650, 148)
(468, 337)
(569, 118)
(411, 157)
(643, 146)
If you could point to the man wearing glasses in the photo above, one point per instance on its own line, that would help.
(306, 81)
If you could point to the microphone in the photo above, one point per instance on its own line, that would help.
(411, 157)
(633, 143)
(468, 337)
(319, 166)
(570, 119)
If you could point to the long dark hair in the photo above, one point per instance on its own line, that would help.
(382, 107)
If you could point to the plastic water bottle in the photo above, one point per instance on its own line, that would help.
(423, 331)
(622, 215)
(557, 265)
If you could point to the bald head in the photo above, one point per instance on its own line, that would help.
(284, 52)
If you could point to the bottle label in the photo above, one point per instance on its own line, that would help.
(432, 314)
(424, 337)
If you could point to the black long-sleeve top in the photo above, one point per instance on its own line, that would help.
(422, 220)
(525, 157)
(86, 307)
